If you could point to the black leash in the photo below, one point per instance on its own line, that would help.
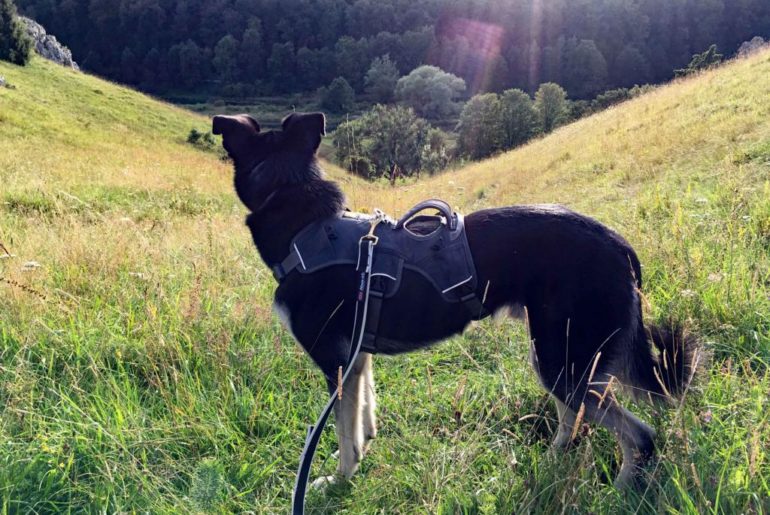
(363, 272)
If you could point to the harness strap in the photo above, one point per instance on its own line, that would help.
(364, 271)
(282, 269)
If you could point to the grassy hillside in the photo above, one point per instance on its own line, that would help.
(141, 369)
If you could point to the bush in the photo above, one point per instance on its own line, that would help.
(15, 43)
(389, 141)
(202, 140)
(704, 61)
(339, 97)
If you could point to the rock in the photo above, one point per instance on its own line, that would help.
(47, 46)
(2, 81)
(753, 45)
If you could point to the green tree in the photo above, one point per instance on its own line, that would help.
(430, 91)
(551, 105)
(390, 141)
(381, 79)
(481, 126)
(281, 67)
(190, 66)
(339, 97)
(15, 44)
(519, 118)
(226, 59)
(251, 59)
(630, 67)
(584, 72)
(352, 56)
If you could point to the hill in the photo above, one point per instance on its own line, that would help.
(141, 369)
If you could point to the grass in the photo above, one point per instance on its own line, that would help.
(141, 369)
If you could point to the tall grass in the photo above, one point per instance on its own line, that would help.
(141, 369)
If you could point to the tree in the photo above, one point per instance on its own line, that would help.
(704, 61)
(519, 118)
(430, 91)
(128, 66)
(585, 70)
(381, 79)
(630, 68)
(15, 44)
(339, 97)
(225, 59)
(551, 105)
(281, 67)
(388, 141)
(352, 58)
(251, 59)
(481, 126)
(190, 65)
(498, 76)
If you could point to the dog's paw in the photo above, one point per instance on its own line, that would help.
(324, 482)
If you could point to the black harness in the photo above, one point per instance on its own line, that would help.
(434, 246)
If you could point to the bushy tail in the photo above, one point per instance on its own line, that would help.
(668, 374)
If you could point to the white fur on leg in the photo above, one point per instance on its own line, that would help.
(323, 482)
(350, 433)
(370, 401)
(566, 426)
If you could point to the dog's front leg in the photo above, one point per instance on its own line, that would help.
(369, 402)
(348, 415)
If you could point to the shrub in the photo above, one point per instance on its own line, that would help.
(704, 61)
(388, 141)
(339, 97)
(15, 43)
(201, 140)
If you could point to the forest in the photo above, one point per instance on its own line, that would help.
(240, 48)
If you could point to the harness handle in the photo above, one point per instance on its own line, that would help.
(434, 203)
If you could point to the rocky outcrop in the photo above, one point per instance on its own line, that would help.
(755, 44)
(47, 46)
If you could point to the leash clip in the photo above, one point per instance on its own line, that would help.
(379, 216)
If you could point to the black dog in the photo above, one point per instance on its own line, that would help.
(575, 280)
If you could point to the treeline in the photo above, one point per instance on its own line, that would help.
(244, 47)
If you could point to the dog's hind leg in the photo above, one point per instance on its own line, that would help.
(572, 371)
(636, 438)
(369, 402)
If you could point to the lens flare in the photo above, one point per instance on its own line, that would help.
(471, 49)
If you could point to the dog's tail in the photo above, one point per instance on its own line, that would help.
(668, 374)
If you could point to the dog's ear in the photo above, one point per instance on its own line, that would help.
(225, 124)
(238, 133)
(305, 129)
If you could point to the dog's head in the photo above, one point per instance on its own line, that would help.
(248, 146)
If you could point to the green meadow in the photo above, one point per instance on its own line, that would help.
(142, 370)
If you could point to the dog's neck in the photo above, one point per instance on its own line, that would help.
(282, 205)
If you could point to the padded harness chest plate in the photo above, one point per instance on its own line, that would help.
(436, 247)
